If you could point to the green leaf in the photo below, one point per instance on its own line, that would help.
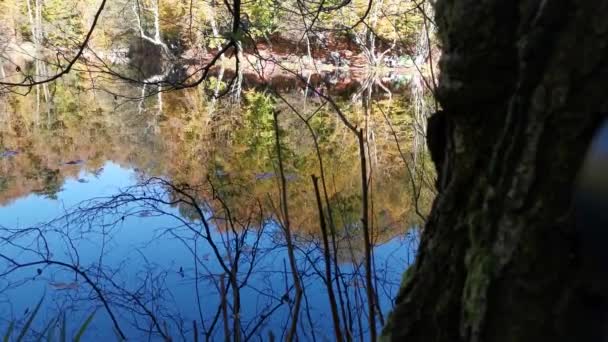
(84, 326)
(29, 321)
(9, 331)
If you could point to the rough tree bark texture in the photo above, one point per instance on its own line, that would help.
(523, 87)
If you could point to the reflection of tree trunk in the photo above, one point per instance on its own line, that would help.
(370, 36)
(309, 50)
(326, 254)
(2, 73)
(33, 25)
(418, 87)
(288, 238)
(306, 88)
(332, 233)
(157, 40)
(500, 258)
(140, 105)
(367, 40)
(220, 78)
(236, 304)
(307, 29)
(362, 138)
(34, 12)
(366, 102)
(156, 12)
(365, 222)
(159, 91)
(213, 24)
(224, 304)
(359, 310)
(420, 114)
(238, 82)
(216, 34)
(37, 104)
(160, 99)
(43, 66)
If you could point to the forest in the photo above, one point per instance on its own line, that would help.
(303, 170)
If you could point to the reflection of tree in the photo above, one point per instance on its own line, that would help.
(240, 154)
(232, 177)
(222, 171)
(229, 251)
(51, 183)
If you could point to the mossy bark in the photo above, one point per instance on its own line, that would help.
(522, 90)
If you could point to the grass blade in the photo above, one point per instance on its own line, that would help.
(50, 336)
(62, 332)
(27, 325)
(118, 337)
(195, 331)
(47, 328)
(84, 326)
(9, 332)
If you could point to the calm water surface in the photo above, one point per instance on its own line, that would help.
(100, 211)
(141, 248)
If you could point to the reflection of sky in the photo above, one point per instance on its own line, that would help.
(145, 238)
(34, 209)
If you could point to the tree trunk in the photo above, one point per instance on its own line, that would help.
(522, 90)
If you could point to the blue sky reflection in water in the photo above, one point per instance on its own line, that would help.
(148, 259)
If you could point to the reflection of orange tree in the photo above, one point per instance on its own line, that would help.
(243, 165)
(231, 146)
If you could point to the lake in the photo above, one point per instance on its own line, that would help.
(165, 216)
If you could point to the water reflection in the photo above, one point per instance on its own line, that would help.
(169, 224)
(150, 261)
